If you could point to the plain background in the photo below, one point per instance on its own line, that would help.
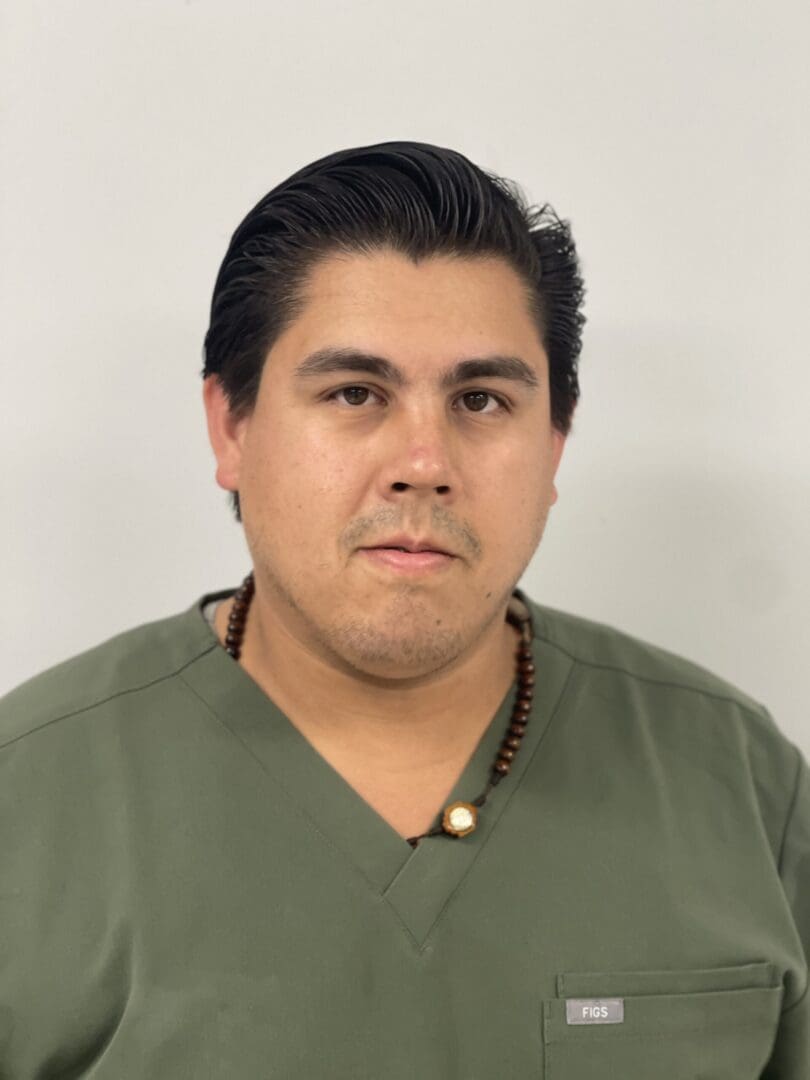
(673, 137)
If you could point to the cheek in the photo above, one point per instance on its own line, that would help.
(296, 487)
(521, 476)
(333, 472)
(521, 491)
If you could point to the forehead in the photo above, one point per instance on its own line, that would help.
(460, 301)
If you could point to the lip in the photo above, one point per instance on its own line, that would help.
(411, 543)
(408, 562)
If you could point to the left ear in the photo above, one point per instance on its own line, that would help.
(225, 433)
(557, 447)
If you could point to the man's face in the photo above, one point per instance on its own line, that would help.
(336, 460)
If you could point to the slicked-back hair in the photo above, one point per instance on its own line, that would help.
(412, 197)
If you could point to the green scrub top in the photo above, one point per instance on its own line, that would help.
(189, 890)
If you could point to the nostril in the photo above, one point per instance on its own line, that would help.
(400, 485)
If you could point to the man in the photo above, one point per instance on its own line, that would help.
(377, 813)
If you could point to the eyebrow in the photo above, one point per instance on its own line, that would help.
(329, 360)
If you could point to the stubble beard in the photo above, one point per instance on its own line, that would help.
(407, 636)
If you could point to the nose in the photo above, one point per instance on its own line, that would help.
(419, 455)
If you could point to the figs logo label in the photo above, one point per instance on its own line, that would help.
(594, 1011)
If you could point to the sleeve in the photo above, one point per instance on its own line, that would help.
(790, 1059)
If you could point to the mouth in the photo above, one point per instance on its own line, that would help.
(408, 550)
(401, 560)
(411, 544)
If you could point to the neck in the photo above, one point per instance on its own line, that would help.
(393, 727)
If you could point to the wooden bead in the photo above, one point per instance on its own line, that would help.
(512, 741)
(502, 767)
(459, 818)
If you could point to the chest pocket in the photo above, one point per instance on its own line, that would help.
(698, 1024)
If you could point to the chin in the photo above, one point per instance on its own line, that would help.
(410, 659)
(408, 644)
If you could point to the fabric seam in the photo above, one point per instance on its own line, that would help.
(788, 819)
(647, 679)
(295, 805)
(793, 800)
(112, 697)
(426, 941)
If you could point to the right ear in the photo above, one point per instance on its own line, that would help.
(225, 433)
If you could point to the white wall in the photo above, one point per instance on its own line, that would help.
(136, 135)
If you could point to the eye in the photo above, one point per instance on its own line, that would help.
(478, 399)
(355, 395)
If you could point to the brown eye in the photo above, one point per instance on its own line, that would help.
(476, 401)
(355, 395)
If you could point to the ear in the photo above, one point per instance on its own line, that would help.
(557, 447)
(225, 433)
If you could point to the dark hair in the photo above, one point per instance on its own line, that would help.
(415, 198)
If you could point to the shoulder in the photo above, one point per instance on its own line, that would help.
(603, 648)
(125, 664)
(668, 694)
(674, 709)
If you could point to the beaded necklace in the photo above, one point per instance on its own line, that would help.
(459, 818)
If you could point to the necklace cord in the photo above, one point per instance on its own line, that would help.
(459, 818)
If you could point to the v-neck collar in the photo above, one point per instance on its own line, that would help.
(416, 882)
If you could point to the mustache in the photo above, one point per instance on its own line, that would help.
(449, 535)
